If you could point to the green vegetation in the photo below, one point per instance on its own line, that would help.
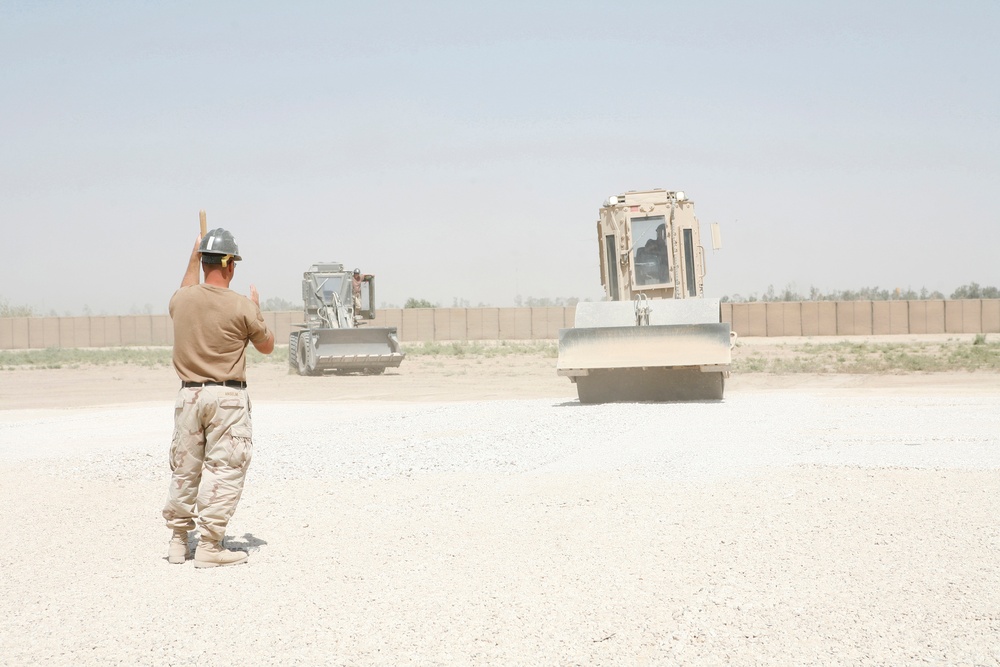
(7, 310)
(977, 355)
(148, 357)
(276, 303)
(970, 291)
(974, 291)
(53, 357)
(875, 358)
(418, 303)
(544, 302)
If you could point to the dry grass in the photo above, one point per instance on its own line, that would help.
(873, 358)
(76, 358)
(812, 357)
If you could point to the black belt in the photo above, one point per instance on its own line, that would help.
(232, 384)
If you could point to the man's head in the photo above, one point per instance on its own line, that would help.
(219, 254)
(218, 247)
(357, 273)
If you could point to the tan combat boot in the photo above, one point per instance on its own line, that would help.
(213, 554)
(178, 549)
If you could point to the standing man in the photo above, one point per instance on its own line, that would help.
(357, 280)
(212, 442)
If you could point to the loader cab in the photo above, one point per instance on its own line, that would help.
(650, 244)
(328, 287)
(322, 288)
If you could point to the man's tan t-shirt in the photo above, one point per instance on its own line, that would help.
(212, 326)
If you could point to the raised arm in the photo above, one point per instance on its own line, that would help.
(192, 276)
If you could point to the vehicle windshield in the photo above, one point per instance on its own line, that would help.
(327, 285)
(650, 257)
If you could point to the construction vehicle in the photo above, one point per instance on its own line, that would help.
(656, 337)
(332, 338)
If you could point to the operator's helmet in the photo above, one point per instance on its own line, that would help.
(357, 272)
(219, 247)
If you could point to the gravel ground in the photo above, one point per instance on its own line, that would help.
(777, 527)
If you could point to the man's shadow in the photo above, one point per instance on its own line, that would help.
(247, 543)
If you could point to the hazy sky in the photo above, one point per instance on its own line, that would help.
(461, 150)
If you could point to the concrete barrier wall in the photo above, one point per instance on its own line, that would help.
(757, 319)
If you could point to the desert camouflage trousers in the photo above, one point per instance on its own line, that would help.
(209, 456)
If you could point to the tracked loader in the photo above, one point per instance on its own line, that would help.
(332, 337)
(656, 337)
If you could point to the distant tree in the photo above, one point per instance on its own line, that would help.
(276, 303)
(863, 294)
(418, 303)
(7, 310)
(550, 302)
(873, 294)
(465, 303)
(970, 291)
(787, 294)
(974, 291)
